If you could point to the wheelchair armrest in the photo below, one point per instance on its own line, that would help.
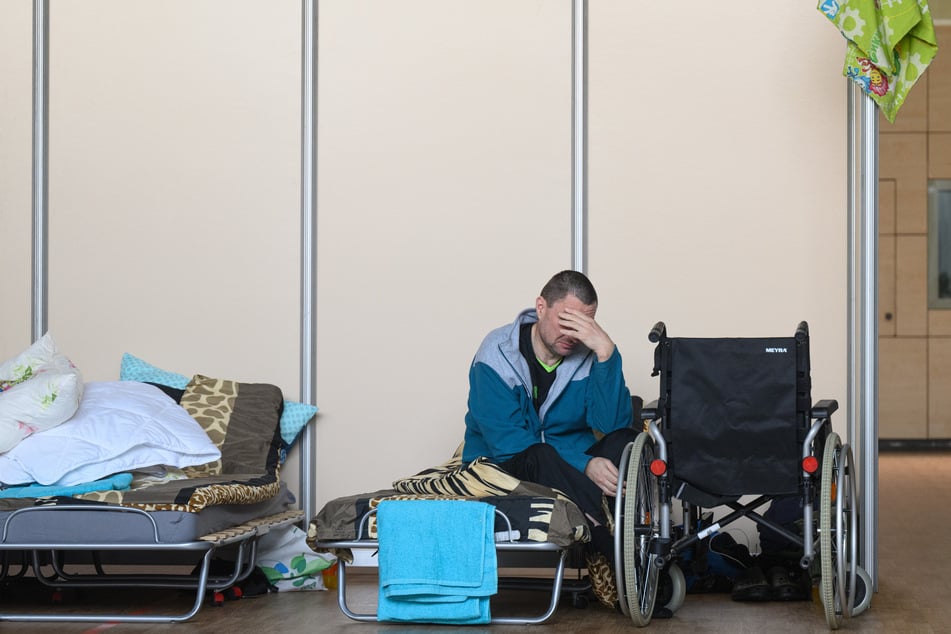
(824, 408)
(649, 411)
(637, 404)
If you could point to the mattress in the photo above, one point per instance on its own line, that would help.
(87, 521)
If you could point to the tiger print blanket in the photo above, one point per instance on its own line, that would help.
(536, 513)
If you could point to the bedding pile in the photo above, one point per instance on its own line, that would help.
(535, 513)
(154, 440)
(118, 427)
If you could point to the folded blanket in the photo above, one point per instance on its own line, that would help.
(116, 482)
(437, 561)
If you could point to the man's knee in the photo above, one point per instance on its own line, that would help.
(539, 454)
(540, 451)
(625, 434)
(535, 460)
(612, 445)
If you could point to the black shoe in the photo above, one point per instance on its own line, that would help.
(789, 585)
(751, 585)
(782, 585)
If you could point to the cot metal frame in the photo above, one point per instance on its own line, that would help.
(47, 553)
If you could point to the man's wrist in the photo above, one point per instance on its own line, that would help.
(605, 352)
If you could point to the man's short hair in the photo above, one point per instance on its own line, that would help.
(570, 283)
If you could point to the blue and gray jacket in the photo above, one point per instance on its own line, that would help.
(587, 395)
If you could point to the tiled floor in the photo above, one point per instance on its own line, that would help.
(914, 593)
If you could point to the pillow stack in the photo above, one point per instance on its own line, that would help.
(119, 427)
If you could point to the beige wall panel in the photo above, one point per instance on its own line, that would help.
(444, 206)
(911, 285)
(717, 185)
(939, 387)
(174, 187)
(174, 180)
(939, 154)
(939, 83)
(887, 190)
(16, 64)
(903, 157)
(903, 387)
(886, 286)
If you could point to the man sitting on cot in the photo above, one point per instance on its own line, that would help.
(539, 388)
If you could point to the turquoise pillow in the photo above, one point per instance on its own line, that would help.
(293, 420)
(135, 369)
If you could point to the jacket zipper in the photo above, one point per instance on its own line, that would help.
(528, 389)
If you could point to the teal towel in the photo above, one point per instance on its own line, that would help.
(437, 561)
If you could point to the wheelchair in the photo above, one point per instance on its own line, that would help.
(734, 419)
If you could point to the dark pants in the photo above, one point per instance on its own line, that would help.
(542, 464)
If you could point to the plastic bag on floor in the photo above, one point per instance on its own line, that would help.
(289, 563)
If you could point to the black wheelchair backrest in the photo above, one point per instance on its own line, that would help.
(735, 411)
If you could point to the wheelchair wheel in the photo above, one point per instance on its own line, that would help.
(638, 574)
(838, 532)
(672, 588)
(863, 591)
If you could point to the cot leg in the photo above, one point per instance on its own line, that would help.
(552, 605)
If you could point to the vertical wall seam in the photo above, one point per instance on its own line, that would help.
(308, 288)
(40, 184)
(579, 140)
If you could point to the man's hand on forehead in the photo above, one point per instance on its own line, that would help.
(581, 326)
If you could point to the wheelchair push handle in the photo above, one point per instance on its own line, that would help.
(658, 332)
(802, 331)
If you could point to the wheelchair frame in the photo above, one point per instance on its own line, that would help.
(646, 543)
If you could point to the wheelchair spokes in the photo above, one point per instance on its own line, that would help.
(638, 567)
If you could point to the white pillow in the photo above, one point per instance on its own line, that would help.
(119, 426)
(39, 389)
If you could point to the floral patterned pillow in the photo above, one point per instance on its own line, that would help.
(39, 389)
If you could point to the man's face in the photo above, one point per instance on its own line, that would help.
(550, 327)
